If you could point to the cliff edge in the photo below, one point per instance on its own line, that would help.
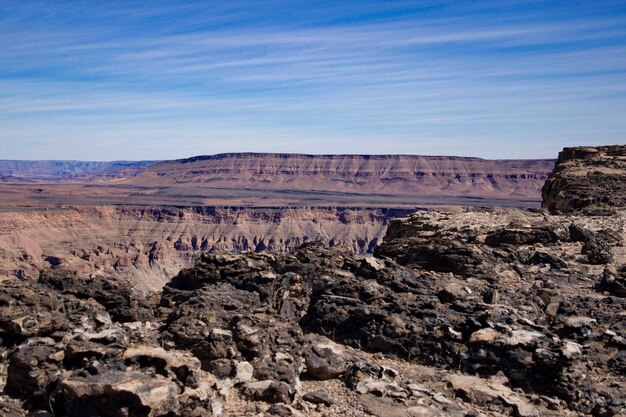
(588, 179)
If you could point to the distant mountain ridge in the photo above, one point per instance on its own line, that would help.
(366, 175)
(279, 155)
(21, 170)
(361, 174)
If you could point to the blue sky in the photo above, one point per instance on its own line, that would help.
(108, 80)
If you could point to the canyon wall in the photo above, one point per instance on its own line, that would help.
(380, 174)
(62, 219)
(149, 246)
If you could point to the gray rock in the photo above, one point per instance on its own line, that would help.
(270, 391)
(325, 359)
(598, 251)
(318, 397)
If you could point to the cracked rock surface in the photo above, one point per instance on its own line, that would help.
(471, 313)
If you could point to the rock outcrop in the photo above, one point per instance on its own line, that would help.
(589, 179)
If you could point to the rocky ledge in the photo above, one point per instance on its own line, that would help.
(588, 179)
(475, 313)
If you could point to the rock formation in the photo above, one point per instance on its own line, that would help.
(590, 179)
(363, 174)
(458, 313)
(276, 180)
(483, 312)
(150, 245)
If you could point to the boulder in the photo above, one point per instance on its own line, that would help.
(116, 393)
(116, 294)
(539, 233)
(34, 368)
(270, 391)
(29, 310)
(325, 359)
(318, 397)
(482, 392)
(613, 281)
(598, 251)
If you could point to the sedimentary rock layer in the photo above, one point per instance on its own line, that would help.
(388, 174)
(150, 245)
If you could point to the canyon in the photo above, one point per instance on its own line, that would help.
(147, 220)
(457, 312)
(150, 245)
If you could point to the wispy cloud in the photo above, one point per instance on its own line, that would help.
(497, 79)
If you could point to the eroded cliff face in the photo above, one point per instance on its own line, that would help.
(590, 179)
(150, 245)
(389, 174)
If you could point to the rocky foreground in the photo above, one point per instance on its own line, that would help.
(474, 313)
(465, 313)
